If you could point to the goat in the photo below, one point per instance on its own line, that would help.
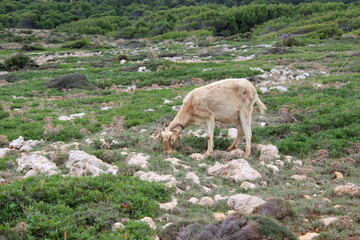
(229, 101)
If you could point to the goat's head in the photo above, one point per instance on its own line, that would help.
(169, 138)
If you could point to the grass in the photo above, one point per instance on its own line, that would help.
(326, 108)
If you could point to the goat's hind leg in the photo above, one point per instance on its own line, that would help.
(245, 118)
(210, 126)
(240, 132)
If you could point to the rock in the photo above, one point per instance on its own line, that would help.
(122, 61)
(167, 225)
(232, 133)
(237, 153)
(4, 152)
(82, 164)
(176, 162)
(138, 159)
(193, 200)
(197, 156)
(298, 163)
(68, 81)
(203, 165)
(206, 189)
(193, 177)
(17, 143)
(238, 170)
(219, 216)
(308, 236)
(36, 164)
(218, 197)
(72, 116)
(288, 158)
(206, 201)
(349, 188)
(326, 200)
(149, 221)
(299, 177)
(273, 168)
(264, 89)
(339, 175)
(154, 177)
(279, 163)
(143, 69)
(247, 185)
(307, 197)
(327, 221)
(244, 203)
(169, 205)
(117, 225)
(268, 152)
(263, 183)
(28, 145)
(280, 88)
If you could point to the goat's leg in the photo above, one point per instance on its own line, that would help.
(245, 117)
(240, 132)
(210, 126)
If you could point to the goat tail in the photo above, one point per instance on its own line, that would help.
(261, 105)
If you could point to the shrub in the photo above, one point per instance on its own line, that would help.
(81, 43)
(28, 48)
(290, 42)
(72, 80)
(18, 61)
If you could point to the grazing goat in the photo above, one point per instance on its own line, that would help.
(229, 101)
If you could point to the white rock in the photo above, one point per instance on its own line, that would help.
(193, 177)
(300, 77)
(138, 159)
(169, 205)
(4, 152)
(28, 145)
(154, 177)
(203, 165)
(122, 61)
(167, 225)
(238, 170)
(197, 156)
(244, 203)
(176, 162)
(264, 89)
(299, 177)
(175, 108)
(288, 158)
(17, 143)
(308, 236)
(218, 197)
(166, 101)
(232, 133)
(206, 201)
(257, 69)
(279, 163)
(149, 221)
(35, 164)
(82, 164)
(298, 163)
(143, 69)
(273, 168)
(268, 152)
(349, 188)
(280, 88)
(327, 221)
(193, 200)
(117, 225)
(219, 216)
(206, 189)
(282, 79)
(247, 185)
(106, 108)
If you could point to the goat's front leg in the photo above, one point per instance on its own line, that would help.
(210, 126)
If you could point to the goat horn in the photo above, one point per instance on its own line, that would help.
(176, 125)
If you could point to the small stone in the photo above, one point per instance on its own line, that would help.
(203, 165)
(349, 188)
(273, 168)
(232, 133)
(17, 143)
(169, 205)
(206, 189)
(299, 177)
(247, 185)
(288, 158)
(167, 225)
(193, 200)
(268, 152)
(298, 163)
(149, 221)
(219, 216)
(279, 163)
(263, 183)
(329, 220)
(244, 203)
(218, 197)
(206, 201)
(339, 175)
(307, 197)
(193, 177)
(337, 206)
(117, 225)
(197, 156)
(326, 200)
(138, 159)
(308, 236)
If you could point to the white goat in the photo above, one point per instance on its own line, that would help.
(229, 101)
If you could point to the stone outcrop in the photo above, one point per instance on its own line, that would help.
(36, 164)
(244, 203)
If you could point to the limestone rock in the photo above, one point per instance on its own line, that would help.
(268, 152)
(349, 188)
(35, 164)
(247, 185)
(273, 168)
(244, 203)
(4, 152)
(327, 221)
(206, 201)
(169, 205)
(117, 225)
(308, 236)
(299, 177)
(138, 159)
(149, 221)
(197, 156)
(17, 143)
(193, 177)
(218, 197)
(28, 145)
(219, 216)
(82, 164)
(154, 177)
(339, 175)
(232, 133)
(176, 162)
(193, 200)
(237, 170)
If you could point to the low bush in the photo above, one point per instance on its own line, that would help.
(81, 43)
(18, 61)
(81, 207)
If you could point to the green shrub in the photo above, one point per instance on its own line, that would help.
(18, 61)
(83, 207)
(28, 48)
(81, 43)
(290, 42)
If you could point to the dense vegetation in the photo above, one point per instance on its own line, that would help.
(153, 18)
